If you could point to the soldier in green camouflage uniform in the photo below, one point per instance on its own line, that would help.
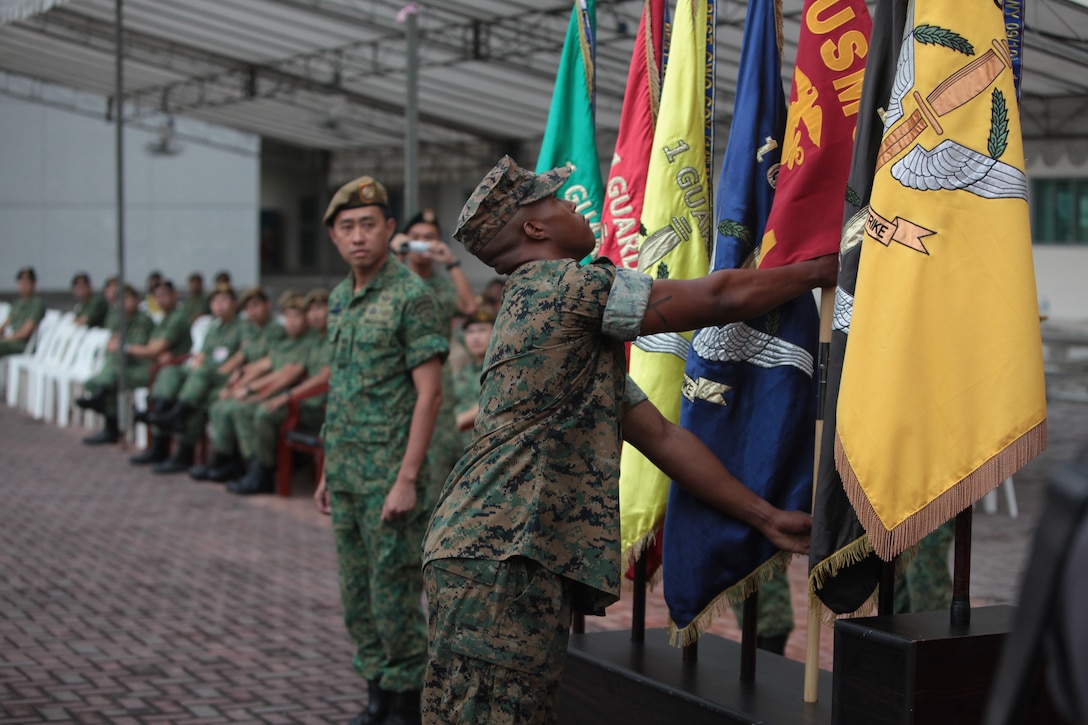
(195, 381)
(259, 332)
(926, 583)
(271, 414)
(454, 295)
(91, 308)
(101, 389)
(232, 417)
(466, 383)
(388, 341)
(197, 303)
(526, 530)
(24, 315)
(169, 339)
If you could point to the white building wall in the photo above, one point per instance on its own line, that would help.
(195, 211)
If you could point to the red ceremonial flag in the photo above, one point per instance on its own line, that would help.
(806, 218)
(631, 159)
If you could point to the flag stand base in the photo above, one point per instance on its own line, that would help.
(921, 668)
(610, 679)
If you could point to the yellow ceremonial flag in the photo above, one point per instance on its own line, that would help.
(942, 393)
(676, 227)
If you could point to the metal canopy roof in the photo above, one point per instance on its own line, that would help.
(330, 74)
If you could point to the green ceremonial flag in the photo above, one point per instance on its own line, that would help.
(569, 139)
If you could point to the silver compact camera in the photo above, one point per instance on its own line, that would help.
(418, 246)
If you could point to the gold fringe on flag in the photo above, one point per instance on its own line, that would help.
(987, 477)
(733, 595)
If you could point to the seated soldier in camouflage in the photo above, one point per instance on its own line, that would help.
(91, 308)
(232, 417)
(272, 412)
(169, 339)
(259, 333)
(526, 531)
(180, 389)
(24, 315)
(101, 389)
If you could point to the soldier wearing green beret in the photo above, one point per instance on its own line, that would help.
(527, 529)
(101, 389)
(24, 315)
(182, 390)
(388, 342)
(91, 308)
(260, 446)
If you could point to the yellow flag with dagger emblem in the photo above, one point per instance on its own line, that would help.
(942, 393)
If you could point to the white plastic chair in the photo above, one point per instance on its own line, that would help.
(39, 344)
(60, 388)
(39, 376)
(989, 501)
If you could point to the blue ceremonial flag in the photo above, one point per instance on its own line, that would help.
(749, 390)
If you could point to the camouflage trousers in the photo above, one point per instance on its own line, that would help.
(775, 609)
(498, 641)
(199, 391)
(231, 420)
(137, 375)
(926, 584)
(266, 430)
(381, 588)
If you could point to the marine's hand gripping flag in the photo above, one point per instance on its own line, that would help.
(942, 393)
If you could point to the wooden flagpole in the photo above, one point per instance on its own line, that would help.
(812, 632)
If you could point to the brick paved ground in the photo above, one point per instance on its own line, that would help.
(132, 598)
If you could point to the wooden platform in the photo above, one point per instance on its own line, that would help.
(609, 679)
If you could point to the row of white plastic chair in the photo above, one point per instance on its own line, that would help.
(46, 379)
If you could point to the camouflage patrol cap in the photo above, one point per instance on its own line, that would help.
(317, 296)
(495, 201)
(364, 191)
(291, 300)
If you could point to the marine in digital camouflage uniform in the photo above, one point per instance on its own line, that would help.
(271, 414)
(101, 389)
(181, 392)
(91, 308)
(388, 341)
(23, 316)
(527, 528)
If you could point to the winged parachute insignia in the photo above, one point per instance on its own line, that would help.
(844, 311)
(954, 166)
(667, 342)
(737, 342)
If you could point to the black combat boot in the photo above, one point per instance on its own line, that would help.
(154, 406)
(168, 416)
(258, 479)
(404, 709)
(108, 434)
(377, 705)
(180, 461)
(94, 400)
(157, 452)
(776, 644)
(230, 470)
(200, 472)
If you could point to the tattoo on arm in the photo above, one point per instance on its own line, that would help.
(655, 308)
